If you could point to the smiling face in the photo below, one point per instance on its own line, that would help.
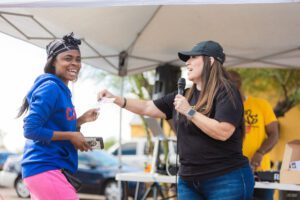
(195, 67)
(67, 65)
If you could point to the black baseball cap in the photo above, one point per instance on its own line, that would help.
(206, 48)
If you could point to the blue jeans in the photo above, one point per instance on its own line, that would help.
(235, 185)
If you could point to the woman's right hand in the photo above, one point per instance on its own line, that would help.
(79, 142)
(105, 93)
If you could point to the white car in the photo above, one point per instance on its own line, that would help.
(135, 152)
(11, 176)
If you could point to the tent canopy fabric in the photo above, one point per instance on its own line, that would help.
(126, 40)
(101, 3)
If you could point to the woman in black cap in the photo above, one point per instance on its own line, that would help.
(51, 125)
(210, 128)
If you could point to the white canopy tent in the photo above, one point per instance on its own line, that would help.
(131, 36)
(125, 39)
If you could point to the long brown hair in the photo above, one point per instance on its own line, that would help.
(49, 68)
(213, 78)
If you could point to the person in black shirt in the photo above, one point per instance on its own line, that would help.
(210, 128)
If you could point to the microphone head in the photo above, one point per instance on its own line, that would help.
(181, 83)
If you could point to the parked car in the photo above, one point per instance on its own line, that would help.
(135, 152)
(3, 156)
(96, 170)
(10, 176)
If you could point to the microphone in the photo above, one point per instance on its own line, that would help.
(180, 86)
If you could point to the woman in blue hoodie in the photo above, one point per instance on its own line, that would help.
(51, 126)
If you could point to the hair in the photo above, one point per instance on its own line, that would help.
(235, 78)
(49, 68)
(214, 77)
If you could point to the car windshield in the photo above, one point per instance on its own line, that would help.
(102, 158)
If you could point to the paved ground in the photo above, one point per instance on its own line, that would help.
(10, 194)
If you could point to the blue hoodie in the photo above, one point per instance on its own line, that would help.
(50, 109)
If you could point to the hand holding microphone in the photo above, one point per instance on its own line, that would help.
(178, 99)
(181, 86)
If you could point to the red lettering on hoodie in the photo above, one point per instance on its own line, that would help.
(70, 114)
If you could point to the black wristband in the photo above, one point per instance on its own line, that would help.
(78, 128)
(125, 102)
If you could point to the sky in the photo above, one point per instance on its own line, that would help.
(20, 64)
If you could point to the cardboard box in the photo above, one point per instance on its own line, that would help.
(291, 153)
(295, 165)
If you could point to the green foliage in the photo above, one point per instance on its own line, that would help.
(100, 77)
(143, 89)
(109, 142)
(285, 84)
(88, 72)
(141, 85)
(137, 84)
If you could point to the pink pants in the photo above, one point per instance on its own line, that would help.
(50, 185)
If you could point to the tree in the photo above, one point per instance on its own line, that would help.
(100, 77)
(138, 84)
(109, 142)
(143, 90)
(281, 84)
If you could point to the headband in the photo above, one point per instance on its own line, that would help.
(68, 42)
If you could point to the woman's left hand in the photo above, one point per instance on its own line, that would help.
(181, 104)
(88, 116)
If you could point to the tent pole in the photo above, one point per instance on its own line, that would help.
(120, 140)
